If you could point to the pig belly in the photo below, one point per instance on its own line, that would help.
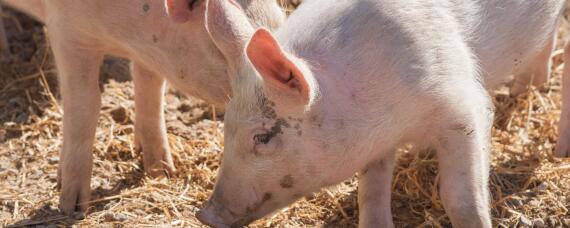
(505, 44)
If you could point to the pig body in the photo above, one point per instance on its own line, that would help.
(341, 85)
(82, 32)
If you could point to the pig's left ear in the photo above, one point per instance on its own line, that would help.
(276, 67)
(180, 10)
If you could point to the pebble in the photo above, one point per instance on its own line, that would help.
(116, 217)
(525, 221)
(542, 187)
(53, 160)
(534, 203)
(539, 223)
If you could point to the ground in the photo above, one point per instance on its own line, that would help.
(529, 185)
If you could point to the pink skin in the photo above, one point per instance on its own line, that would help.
(563, 146)
(160, 50)
(339, 86)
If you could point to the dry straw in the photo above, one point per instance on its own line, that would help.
(529, 186)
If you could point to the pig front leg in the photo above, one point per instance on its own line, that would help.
(536, 72)
(563, 145)
(79, 76)
(463, 153)
(374, 194)
(150, 130)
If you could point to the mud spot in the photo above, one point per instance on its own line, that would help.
(316, 120)
(146, 7)
(287, 182)
(266, 197)
(267, 107)
(463, 128)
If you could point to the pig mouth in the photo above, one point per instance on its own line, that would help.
(216, 215)
(213, 221)
(243, 222)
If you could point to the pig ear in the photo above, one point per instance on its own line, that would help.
(180, 10)
(275, 66)
(228, 26)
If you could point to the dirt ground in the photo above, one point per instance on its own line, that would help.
(529, 186)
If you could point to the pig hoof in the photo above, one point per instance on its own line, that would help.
(74, 199)
(161, 168)
(78, 215)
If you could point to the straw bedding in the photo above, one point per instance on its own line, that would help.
(528, 185)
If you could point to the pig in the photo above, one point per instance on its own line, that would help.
(82, 32)
(341, 85)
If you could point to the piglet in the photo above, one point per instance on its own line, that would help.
(82, 32)
(344, 83)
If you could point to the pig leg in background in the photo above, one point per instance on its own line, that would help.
(4, 46)
(78, 77)
(536, 72)
(463, 154)
(563, 145)
(150, 130)
(374, 194)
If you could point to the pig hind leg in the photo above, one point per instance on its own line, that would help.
(463, 152)
(536, 72)
(79, 76)
(150, 130)
(374, 194)
(563, 145)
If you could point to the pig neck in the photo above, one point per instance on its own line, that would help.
(361, 108)
(183, 54)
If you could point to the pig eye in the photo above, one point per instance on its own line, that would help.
(262, 138)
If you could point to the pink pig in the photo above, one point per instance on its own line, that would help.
(344, 83)
(82, 32)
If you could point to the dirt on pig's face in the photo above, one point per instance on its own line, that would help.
(270, 159)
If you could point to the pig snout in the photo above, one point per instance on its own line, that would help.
(208, 216)
(216, 215)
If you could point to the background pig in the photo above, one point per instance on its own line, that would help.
(82, 32)
(341, 85)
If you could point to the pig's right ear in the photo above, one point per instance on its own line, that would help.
(228, 26)
(179, 10)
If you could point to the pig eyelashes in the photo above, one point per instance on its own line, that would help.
(262, 138)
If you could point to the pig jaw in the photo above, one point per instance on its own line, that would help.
(215, 215)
